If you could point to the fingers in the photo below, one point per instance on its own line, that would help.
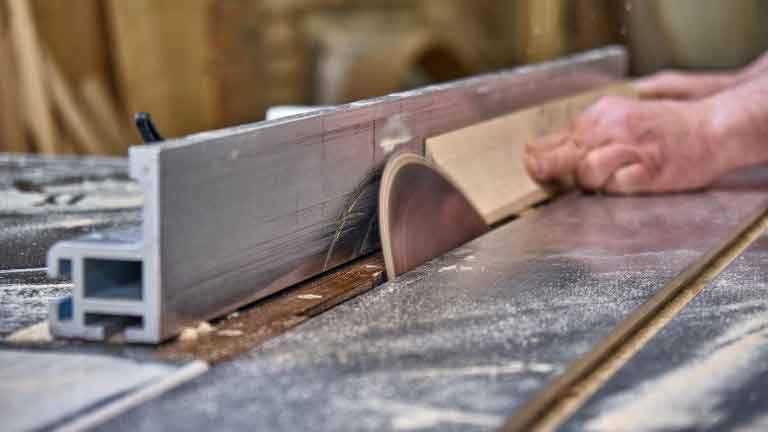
(599, 165)
(558, 163)
(682, 86)
(629, 180)
(662, 85)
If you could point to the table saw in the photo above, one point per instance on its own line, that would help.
(233, 280)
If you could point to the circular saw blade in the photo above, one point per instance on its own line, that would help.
(422, 214)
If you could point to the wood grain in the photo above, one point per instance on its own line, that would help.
(108, 118)
(162, 56)
(32, 70)
(11, 121)
(74, 33)
(72, 112)
(485, 159)
(255, 324)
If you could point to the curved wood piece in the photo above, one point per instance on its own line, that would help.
(422, 214)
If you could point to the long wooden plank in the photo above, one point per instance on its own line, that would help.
(11, 121)
(486, 160)
(32, 69)
(72, 112)
(74, 33)
(170, 42)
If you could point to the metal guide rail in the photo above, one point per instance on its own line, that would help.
(235, 215)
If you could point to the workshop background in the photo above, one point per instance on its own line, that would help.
(73, 72)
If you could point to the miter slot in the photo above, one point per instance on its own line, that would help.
(112, 279)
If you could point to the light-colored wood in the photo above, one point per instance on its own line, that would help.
(162, 59)
(109, 120)
(422, 214)
(486, 159)
(12, 137)
(72, 113)
(32, 72)
(74, 33)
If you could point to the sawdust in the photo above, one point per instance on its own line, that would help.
(37, 333)
(188, 335)
(394, 133)
(229, 333)
(512, 367)
(409, 416)
(688, 397)
(309, 296)
(191, 334)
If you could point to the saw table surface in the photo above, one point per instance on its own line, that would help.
(463, 341)
(460, 343)
(707, 369)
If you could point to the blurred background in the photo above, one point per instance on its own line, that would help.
(72, 72)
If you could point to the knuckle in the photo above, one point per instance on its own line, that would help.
(590, 172)
(667, 75)
(607, 103)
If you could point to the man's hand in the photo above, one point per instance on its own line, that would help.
(626, 146)
(684, 85)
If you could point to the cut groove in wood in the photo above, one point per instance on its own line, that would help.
(486, 160)
(275, 315)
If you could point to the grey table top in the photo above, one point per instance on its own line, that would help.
(43, 200)
(463, 341)
(707, 369)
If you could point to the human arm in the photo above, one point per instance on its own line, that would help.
(626, 146)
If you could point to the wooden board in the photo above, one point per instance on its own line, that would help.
(162, 61)
(29, 60)
(485, 159)
(12, 134)
(422, 214)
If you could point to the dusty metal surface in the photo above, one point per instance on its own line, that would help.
(24, 298)
(45, 200)
(277, 202)
(40, 390)
(705, 370)
(463, 341)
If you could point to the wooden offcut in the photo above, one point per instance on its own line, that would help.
(486, 159)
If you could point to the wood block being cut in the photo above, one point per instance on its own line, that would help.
(486, 159)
